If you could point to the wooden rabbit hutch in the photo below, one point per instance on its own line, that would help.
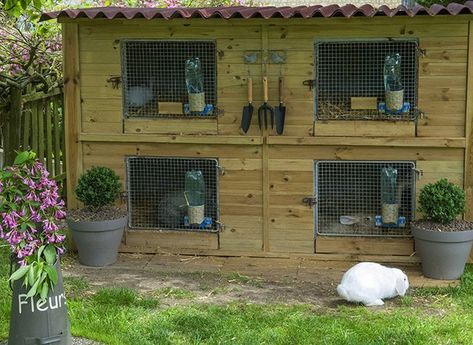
(314, 190)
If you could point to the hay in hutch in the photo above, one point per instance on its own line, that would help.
(377, 104)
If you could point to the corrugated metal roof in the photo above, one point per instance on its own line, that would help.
(347, 11)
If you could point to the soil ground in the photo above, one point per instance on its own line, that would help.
(181, 280)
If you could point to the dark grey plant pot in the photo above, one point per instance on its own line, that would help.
(443, 254)
(33, 322)
(97, 242)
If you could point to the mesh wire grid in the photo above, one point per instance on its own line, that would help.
(353, 189)
(346, 69)
(156, 191)
(153, 71)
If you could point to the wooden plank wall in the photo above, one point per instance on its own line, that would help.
(442, 95)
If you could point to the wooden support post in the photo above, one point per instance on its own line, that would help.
(72, 109)
(265, 153)
(468, 177)
(12, 142)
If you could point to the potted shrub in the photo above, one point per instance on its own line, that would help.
(97, 228)
(442, 241)
(31, 214)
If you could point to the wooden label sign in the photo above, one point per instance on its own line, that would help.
(363, 103)
(171, 108)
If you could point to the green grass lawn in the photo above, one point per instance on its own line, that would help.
(122, 316)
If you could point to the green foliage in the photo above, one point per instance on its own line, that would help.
(121, 316)
(98, 187)
(19, 7)
(442, 201)
(40, 275)
(235, 277)
(30, 219)
(129, 322)
(75, 286)
(428, 3)
(175, 293)
(123, 297)
(30, 55)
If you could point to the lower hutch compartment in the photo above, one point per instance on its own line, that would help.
(248, 212)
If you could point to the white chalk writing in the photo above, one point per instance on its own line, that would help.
(51, 303)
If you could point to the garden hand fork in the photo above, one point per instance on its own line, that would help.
(265, 108)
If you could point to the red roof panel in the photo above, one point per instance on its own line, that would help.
(347, 11)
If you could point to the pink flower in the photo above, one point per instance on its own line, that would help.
(49, 226)
(30, 222)
(9, 220)
(171, 3)
(60, 214)
(34, 216)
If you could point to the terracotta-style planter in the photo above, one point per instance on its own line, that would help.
(97, 242)
(443, 254)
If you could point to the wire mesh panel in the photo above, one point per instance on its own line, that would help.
(153, 73)
(364, 198)
(157, 196)
(346, 70)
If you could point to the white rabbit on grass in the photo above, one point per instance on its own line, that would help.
(369, 283)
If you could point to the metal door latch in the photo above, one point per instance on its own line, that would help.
(115, 80)
(310, 83)
(310, 201)
(221, 170)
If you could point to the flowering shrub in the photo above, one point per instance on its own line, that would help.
(30, 55)
(30, 209)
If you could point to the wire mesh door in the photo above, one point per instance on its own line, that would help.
(353, 198)
(157, 196)
(153, 73)
(354, 69)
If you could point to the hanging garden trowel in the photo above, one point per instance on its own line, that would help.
(280, 110)
(247, 109)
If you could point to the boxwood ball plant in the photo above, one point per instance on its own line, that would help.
(98, 187)
(442, 201)
(30, 211)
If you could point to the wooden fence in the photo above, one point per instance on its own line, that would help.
(36, 122)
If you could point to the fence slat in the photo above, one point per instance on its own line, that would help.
(13, 132)
(34, 127)
(63, 135)
(26, 128)
(57, 136)
(36, 123)
(41, 116)
(49, 137)
(63, 146)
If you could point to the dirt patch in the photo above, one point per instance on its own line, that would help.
(186, 280)
(209, 287)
